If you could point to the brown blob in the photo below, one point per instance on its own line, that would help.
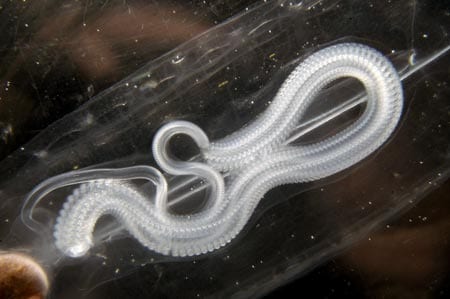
(21, 277)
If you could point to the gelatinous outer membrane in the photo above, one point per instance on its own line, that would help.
(254, 159)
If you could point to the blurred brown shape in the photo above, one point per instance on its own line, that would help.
(409, 258)
(98, 45)
(21, 278)
(70, 52)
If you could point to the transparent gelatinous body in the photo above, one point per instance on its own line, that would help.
(221, 80)
(254, 160)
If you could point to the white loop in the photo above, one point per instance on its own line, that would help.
(255, 155)
(160, 147)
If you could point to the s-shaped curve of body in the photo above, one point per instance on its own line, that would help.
(255, 160)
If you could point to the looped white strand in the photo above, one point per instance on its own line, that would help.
(257, 157)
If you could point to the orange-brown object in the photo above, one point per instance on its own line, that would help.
(21, 277)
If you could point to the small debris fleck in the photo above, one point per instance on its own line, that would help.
(222, 84)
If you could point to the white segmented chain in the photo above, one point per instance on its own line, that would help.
(255, 156)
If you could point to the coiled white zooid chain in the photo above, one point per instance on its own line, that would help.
(256, 156)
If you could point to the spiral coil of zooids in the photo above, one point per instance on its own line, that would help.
(255, 158)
